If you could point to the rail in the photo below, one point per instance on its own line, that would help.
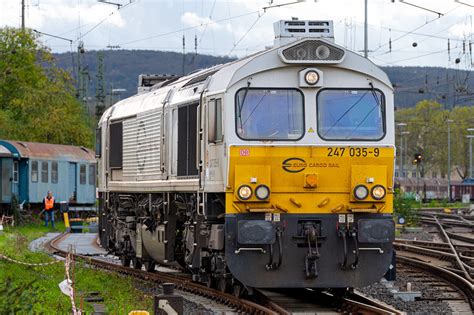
(459, 282)
(353, 302)
(181, 283)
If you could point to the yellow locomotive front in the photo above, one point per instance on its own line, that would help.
(309, 193)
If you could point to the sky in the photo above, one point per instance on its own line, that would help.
(239, 27)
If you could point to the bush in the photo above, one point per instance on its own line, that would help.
(16, 298)
(404, 207)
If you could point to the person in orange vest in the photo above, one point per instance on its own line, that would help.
(49, 206)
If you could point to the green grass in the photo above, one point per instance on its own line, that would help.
(34, 290)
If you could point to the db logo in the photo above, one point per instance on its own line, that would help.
(244, 152)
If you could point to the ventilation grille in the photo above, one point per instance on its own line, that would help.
(313, 51)
(295, 29)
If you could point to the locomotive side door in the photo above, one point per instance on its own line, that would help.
(214, 141)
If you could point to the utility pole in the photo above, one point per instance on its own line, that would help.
(449, 121)
(82, 74)
(471, 177)
(100, 89)
(22, 15)
(405, 150)
(400, 162)
(366, 34)
(184, 56)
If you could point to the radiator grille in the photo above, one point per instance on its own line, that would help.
(141, 146)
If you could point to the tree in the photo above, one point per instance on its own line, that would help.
(36, 98)
(428, 129)
(463, 119)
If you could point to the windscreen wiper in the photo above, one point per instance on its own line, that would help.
(241, 105)
(377, 104)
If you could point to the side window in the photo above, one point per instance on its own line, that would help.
(54, 172)
(215, 121)
(34, 171)
(15, 171)
(92, 175)
(82, 174)
(44, 172)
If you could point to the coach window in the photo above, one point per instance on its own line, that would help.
(269, 114)
(54, 172)
(44, 172)
(351, 114)
(34, 171)
(15, 171)
(82, 174)
(215, 121)
(91, 174)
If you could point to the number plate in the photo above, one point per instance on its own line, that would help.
(353, 152)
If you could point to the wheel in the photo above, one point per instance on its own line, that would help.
(211, 282)
(150, 266)
(136, 263)
(224, 285)
(125, 260)
(238, 290)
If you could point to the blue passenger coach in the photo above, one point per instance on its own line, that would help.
(29, 169)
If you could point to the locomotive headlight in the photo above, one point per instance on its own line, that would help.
(262, 192)
(361, 192)
(311, 77)
(244, 192)
(378, 192)
(323, 52)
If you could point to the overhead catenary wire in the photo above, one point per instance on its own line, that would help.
(207, 24)
(415, 29)
(185, 29)
(104, 19)
(427, 36)
(248, 31)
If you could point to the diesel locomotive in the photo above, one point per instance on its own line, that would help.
(272, 171)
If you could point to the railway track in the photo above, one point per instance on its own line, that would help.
(266, 302)
(302, 301)
(450, 261)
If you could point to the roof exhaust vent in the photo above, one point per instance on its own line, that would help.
(287, 31)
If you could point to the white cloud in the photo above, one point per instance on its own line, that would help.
(191, 19)
(141, 24)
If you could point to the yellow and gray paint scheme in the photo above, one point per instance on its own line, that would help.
(311, 181)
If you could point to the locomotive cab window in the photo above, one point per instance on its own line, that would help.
(269, 114)
(351, 114)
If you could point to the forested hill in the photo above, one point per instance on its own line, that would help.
(122, 67)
